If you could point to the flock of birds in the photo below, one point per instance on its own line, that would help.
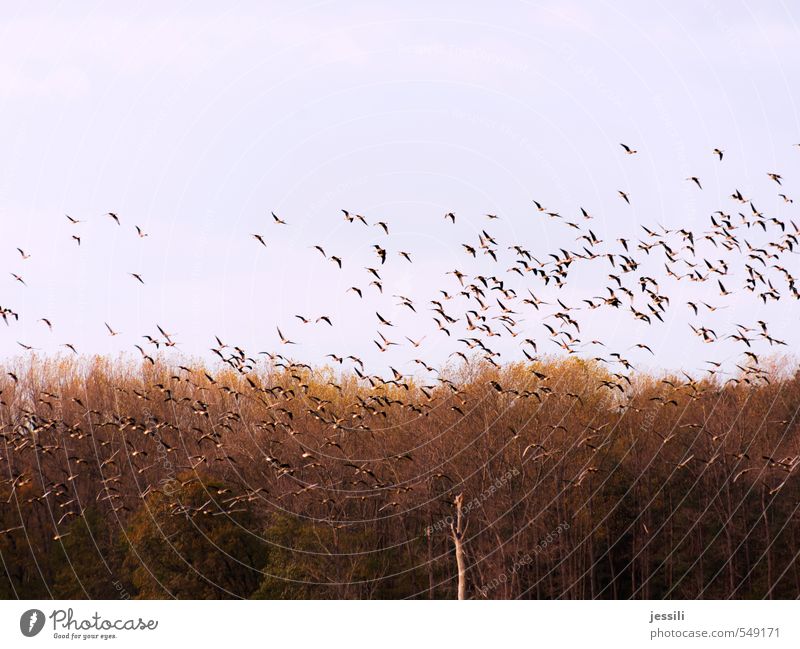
(741, 250)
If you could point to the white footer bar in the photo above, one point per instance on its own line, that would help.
(385, 625)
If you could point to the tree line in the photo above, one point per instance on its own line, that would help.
(158, 480)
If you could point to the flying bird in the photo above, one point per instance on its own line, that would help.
(695, 180)
(776, 177)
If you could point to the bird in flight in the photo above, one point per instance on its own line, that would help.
(776, 177)
(260, 239)
(137, 277)
(718, 152)
(277, 220)
(695, 180)
(114, 217)
(628, 150)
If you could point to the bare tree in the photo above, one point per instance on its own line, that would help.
(458, 530)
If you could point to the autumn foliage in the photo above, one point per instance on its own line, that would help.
(154, 481)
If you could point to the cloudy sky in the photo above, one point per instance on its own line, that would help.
(197, 120)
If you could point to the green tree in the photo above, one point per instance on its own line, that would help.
(87, 560)
(310, 560)
(190, 544)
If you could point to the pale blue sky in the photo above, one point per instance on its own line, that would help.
(196, 121)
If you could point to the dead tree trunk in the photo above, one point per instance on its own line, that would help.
(457, 531)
